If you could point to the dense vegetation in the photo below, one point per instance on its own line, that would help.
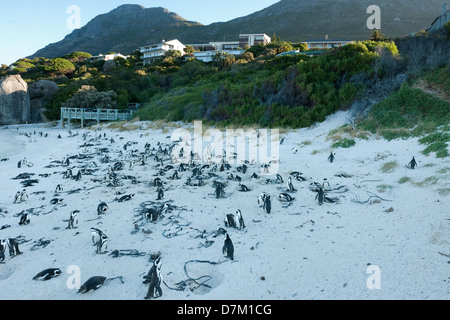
(258, 87)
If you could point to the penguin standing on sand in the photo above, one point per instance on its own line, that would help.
(320, 197)
(102, 244)
(12, 245)
(17, 197)
(239, 220)
(290, 186)
(154, 279)
(96, 235)
(160, 193)
(228, 248)
(267, 204)
(331, 157)
(412, 164)
(23, 195)
(24, 219)
(73, 219)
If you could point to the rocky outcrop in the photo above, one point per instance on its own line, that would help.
(14, 100)
(109, 65)
(41, 92)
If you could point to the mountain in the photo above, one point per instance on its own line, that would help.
(128, 27)
(124, 29)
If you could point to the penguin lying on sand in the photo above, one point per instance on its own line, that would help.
(47, 274)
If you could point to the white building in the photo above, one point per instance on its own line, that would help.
(326, 43)
(208, 56)
(158, 50)
(439, 22)
(107, 57)
(253, 39)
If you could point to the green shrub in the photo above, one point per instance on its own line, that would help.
(345, 143)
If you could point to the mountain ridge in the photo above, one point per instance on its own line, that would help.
(129, 27)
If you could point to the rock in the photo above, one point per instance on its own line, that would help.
(389, 210)
(375, 201)
(14, 100)
(41, 92)
(109, 65)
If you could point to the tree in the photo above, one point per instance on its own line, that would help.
(189, 49)
(377, 35)
(60, 66)
(89, 97)
(302, 46)
(447, 28)
(77, 56)
(223, 60)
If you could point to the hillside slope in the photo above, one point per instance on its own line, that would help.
(130, 26)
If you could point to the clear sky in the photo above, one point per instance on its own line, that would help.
(29, 25)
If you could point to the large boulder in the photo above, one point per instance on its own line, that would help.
(41, 92)
(14, 100)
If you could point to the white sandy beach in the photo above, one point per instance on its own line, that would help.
(302, 252)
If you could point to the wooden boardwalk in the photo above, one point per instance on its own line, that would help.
(94, 114)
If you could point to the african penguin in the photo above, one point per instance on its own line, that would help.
(154, 279)
(92, 283)
(412, 164)
(47, 274)
(73, 219)
(331, 157)
(102, 208)
(228, 248)
(267, 204)
(24, 219)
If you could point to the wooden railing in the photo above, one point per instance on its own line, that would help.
(94, 114)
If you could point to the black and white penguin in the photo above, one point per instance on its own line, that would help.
(262, 199)
(229, 221)
(73, 219)
(290, 186)
(228, 248)
(47, 274)
(151, 214)
(412, 164)
(285, 197)
(92, 283)
(24, 219)
(239, 220)
(126, 197)
(325, 185)
(267, 204)
(96, 235)
(102, 244)
(58, 188)
(160, 193)
(243, 188)
(331, 157)
(279, 178)
(12, 245)
(102, 208)
(320, 197)
(56, 201)
(78, 176)
(17, 197)
(154, 279)
(219, 191)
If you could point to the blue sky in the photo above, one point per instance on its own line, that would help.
(27, 26)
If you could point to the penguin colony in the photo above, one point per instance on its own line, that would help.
(103, 161)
